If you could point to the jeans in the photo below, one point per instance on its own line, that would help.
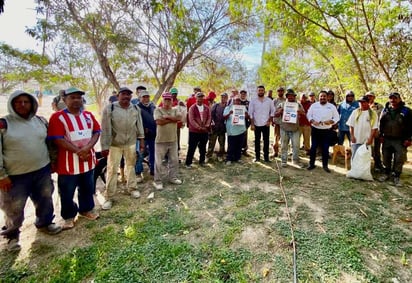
(196, 140)
(234, 147)
(259, 132)
(341, 136)
(67, 186)
(285, 137)
(37, 185)
(150, 147)
(320, 138)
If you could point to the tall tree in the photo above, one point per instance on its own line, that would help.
(159, 37)
(371, 33)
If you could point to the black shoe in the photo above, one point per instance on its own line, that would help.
(311, 167)
(268, 161)
(327, 170)
(256, 160)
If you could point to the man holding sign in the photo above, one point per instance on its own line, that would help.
(289, 127)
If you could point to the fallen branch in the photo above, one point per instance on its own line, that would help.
(363, 212)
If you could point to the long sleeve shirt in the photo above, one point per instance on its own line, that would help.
(121, 126)
(322, 113)
(261, 111)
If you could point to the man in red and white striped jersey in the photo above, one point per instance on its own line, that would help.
(75, 132)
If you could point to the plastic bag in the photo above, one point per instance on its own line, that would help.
(361, 164)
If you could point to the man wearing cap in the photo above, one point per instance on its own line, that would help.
(244, 101)
(376, 149)
(139, 89)
(121, 126)
(166, 118)
(261, 112)
(304, 124)
(289, 127)
(363, 125)
(235, 131)
(312, 97)
(149, 125)
(75, 132)
(276, 121)
(345, 109)
(25, 169)
(218, 128)
(58, 102)
(181, 107)
(210, 99)
(322, 115)
(199, 125)
(396, 133)
(192, 99)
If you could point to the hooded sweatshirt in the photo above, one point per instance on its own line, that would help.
(23, 146)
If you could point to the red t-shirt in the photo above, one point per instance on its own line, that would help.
(77, 130)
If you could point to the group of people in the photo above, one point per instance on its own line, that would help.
(32, 148)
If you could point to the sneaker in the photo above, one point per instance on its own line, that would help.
(397, 181)
(284, 164)
(228, 162)
(13, 245)
(135, 194)
(139, 178)
(51, 229)
(240, 161)
(383, 178)
(176, 181)
(91, 215)
(220, 159)
(107, 205)
(158, 186)
(68, 224)
(189, 166)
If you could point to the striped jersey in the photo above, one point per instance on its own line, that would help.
(77, 130)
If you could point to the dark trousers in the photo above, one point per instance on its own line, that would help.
(234, 147)
(341, 136)
(376, 153)
(320, 138)
(38, 186)
(244, 142)
(67, 186)
(259, 132)
(197, 140)
(394, 155)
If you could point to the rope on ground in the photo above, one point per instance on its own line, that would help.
(293, 242)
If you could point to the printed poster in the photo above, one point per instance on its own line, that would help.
(238, 115)
(290, 112)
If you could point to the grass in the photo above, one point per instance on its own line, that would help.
(226, 224)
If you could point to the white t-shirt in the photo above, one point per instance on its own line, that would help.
(361, 124)
(201, 109)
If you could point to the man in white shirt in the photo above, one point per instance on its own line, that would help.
(322, 116)
(261, 112)
(363, 125)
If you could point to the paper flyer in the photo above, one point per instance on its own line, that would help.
(238, 115)
(290, 112)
